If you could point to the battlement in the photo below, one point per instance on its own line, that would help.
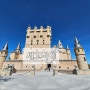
(39, 29)
(38, 37)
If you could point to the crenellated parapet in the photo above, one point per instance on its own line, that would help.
(38, 37)
(41, 30)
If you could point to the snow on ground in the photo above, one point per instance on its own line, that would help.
(45, 81)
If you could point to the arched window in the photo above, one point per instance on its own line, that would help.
(37, 41)
(27, 36)
(84, 59)
(78, 50)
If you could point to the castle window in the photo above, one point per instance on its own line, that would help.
(67, 67)
(26, 66)
(27, 36)
(34, 36)
(84, 59)
(45, 31)
(37, 31)
(78, 50)
(48, 35)
(41, 36)
(59, 66)
(31, 43)
(31, 31)
(43, 41)
(37, 41)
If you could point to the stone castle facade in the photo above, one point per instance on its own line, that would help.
(41, 38)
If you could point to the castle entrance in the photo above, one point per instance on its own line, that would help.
(48, 65)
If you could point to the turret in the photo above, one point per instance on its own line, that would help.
(18, 49)
(35, 29)
(68, 53)
(80, 55)
(17, 52)
(3, 55)
(60, 46)
(48, 30)
(41, 31)
(28, 31)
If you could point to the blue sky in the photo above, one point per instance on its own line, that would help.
(68, 18)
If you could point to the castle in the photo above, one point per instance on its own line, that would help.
(41, 38)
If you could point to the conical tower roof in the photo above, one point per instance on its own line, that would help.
(18, 47)
(5, 47)
(67, 47)
(59, 44)
(77, 44)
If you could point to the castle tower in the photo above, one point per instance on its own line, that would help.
(80, 55)
(38, 38)
(18, 49)
(68, 53)
(17, 52)
(3, 55)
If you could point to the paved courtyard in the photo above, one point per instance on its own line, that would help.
(45, 81)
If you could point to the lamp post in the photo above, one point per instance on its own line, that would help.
(33, 66)
(54, 72)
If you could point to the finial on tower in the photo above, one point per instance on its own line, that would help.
(5, 47)
(41, 27)
(29, 27)
(18, 47)
(77, 44)
(59, 44)
(67, 47)
(35, 27)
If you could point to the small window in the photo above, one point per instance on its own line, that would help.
(78, 50)
(38, 31)
(59, 66)
(48, 35)
(31, 31)
(43, 42)
(31, 43)
(37, 41)
(34, 36)
(26, 66)
(45, 31)
(67, 67)
(41, 36)
(27, 36)
(84, 59)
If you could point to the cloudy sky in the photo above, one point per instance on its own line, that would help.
(68, 18)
